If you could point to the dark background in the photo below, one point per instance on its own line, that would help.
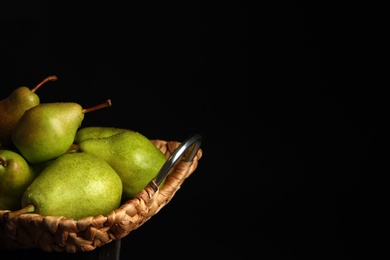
(280, 92)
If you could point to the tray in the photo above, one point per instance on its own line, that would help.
(61, 234)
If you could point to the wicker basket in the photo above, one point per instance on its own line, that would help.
(60, 234)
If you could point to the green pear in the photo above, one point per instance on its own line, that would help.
(13, 107)
(46, 131)
(75, 185)
(95, 132)
(16, 174)
(132, 155)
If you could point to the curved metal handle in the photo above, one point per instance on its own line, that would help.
(193, 143)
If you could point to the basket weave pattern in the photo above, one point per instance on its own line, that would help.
(58, 233)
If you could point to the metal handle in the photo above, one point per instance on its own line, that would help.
(193, 143)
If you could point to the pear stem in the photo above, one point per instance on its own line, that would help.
(49, 78)
(3, 162)
(107, 103)
(12, 214)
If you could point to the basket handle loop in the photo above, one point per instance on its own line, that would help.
(192, 144)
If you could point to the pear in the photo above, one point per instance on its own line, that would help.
(132, 155)
(13, 107)
(16, 174)
(95, 132)
(75, 185)
(46, 131)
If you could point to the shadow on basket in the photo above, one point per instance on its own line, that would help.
(60, 234)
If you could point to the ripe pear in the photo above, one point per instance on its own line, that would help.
(132, 155)
(16, 174)
(13, 107)
(46, 131)
(95, 132)
(75, 185)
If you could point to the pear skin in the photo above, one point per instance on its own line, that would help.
(95, 132)
(47, 131)
(132, 155)
(16, 174)
(75, 185)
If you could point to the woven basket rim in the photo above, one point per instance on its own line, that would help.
(58, 233)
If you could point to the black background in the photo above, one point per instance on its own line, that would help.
(280, 92)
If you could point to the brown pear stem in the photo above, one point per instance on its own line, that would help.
(49, 78)
(12, 214)
(107, 103)
(3, 162)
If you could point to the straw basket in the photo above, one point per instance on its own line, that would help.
(61, 234)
